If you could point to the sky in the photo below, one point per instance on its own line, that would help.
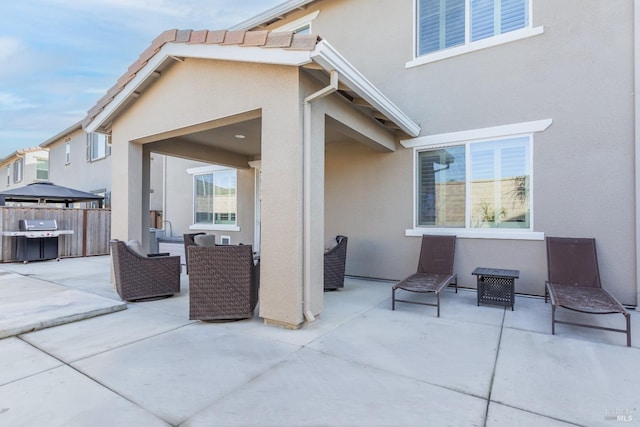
(58, 57)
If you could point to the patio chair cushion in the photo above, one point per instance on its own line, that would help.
(136, 247)
(330, 244)
(206, 240)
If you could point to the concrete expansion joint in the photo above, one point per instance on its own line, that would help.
(495, 365)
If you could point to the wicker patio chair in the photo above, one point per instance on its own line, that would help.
(223, 282)
(140, 277)
(334, 265)
(574, 283)
(189, 240)
(435, 271)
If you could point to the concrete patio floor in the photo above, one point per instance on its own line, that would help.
(359, 364)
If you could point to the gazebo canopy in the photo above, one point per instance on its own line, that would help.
(47, 192)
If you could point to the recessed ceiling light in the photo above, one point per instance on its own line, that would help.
(240, 136)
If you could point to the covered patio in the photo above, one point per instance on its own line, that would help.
(360, 364)
(287, 95)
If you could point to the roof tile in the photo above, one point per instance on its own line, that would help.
(234, 37)
(303, 42)
(198, 36)
(279, 39)
(215, 37)
(255, 38)
(165, 37)
(126, 78)
(183, 36)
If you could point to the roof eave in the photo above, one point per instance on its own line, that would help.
(329, 59)
(271, 14)
(74, 127)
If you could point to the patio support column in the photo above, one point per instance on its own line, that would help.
(127, 195)
(145, 220)
(636, 48)
(281, 256)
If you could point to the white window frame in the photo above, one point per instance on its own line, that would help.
(469, 46)
(18, 170)
(215, 227)
(40, 159)
(471, 136)
(67, 152)
(8, 175)
(95, 137)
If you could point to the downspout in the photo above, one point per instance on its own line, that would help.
(636, 79)
(306, 170)
(164, 193)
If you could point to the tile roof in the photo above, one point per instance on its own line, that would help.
(262, 39)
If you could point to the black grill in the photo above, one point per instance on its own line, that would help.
(37, 225)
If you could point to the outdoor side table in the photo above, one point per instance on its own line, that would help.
(496, 286)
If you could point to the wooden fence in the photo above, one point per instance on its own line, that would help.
(91, 230)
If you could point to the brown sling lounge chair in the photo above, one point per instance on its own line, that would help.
(574, 283)
(435, 270)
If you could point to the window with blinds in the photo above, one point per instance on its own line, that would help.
(442, 24)
(475, 185)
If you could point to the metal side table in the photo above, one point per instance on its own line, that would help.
(496, 286)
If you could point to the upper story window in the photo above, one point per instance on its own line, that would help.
(67, 152)
(18, 166)
(98, 146)
(42, 169)
(446, 28)
(215, 201)
(8, 174)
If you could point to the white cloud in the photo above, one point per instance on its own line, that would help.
(10, 102)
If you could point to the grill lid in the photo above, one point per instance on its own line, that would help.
(37, 224)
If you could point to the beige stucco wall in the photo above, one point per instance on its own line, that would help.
(579, 73)
(78, 173)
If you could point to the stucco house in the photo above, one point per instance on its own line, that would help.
(500, 122)
(25, 166)
(81, 161)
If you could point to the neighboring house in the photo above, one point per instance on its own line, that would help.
(501, 122)
(23, 167)
(81, 161)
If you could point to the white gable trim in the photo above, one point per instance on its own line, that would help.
(271, 14)
(327, 57)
